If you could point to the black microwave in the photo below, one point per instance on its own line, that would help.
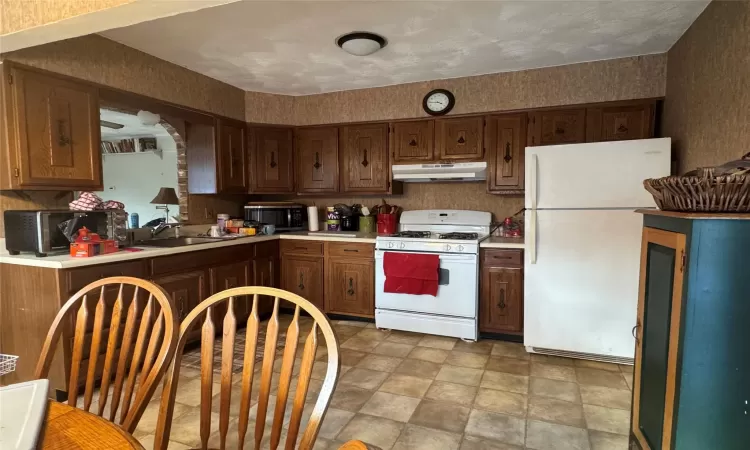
(285, 216)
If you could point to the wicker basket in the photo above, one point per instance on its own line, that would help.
(709, 192)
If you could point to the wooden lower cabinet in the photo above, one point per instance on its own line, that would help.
(187, 290)
(692, 370)
(350, 286)
(265, 273)
(343, 271)
(501, 291)
(303, 275)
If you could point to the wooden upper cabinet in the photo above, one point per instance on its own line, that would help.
(232, 157)
(506, 141)
(619, 123)
(413, 141)
(364, 158)
(560, 126)
(53, 133)
(459, 138)
(271, 160)
(316, 159)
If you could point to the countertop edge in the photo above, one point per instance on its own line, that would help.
(155, 252)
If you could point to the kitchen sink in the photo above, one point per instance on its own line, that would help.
(178, 242)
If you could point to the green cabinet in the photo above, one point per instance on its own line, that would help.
(692, 363)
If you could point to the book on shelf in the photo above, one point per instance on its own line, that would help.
(132, 145)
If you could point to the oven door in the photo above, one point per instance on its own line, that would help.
(457, 290)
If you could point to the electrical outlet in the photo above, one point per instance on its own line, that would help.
(209, 214)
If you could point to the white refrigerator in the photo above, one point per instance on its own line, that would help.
(583, 240)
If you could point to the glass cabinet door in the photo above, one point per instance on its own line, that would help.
(657, 337)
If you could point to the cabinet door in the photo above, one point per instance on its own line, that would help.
(506, 141)
(562, 126)
(350, 286)
(303, 275)
(57, 133)
(232, 157)
(265, 273)
(272, 160)
(364, 158)
(657, 334)
(501, 303)
(187, 290)
(413, 141)
(317, 160)
(459, 138)
(226, 277)
(619, 123)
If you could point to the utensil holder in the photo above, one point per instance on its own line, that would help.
(387, 223)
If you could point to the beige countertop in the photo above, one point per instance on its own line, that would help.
(502, 242)
(62, 260)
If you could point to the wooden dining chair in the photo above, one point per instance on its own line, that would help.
(140, 330)
(206, 311)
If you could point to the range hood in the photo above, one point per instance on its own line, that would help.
(421, 173)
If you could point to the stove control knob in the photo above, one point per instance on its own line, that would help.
(460, 248)
(402, 245)
(447, 247)
(391, 244)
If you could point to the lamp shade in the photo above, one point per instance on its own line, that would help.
(166, 196)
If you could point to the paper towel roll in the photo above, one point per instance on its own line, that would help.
(312, 218)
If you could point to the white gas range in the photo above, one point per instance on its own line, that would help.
(453, 235)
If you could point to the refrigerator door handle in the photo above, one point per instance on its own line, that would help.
(533, 180)
(532, 236)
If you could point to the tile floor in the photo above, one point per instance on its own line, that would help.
(402, 391)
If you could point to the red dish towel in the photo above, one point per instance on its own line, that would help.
(411, 273)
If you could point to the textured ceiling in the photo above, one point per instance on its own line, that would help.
(287, 47)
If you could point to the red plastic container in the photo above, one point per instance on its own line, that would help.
(387, 223)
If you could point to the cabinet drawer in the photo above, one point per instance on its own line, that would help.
(350, 249)
(78, 278)
(502, 258)
(301, 247)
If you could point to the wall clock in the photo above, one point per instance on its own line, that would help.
(438, 102)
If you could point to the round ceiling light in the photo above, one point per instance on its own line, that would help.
(361, 43)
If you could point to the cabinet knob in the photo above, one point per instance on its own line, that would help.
(501, 303)
(317, 161)
(273, 160)
(351, 287)
(364, 160)
(507, 156)
(301, 284)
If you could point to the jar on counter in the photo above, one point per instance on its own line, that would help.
(333, 219)
(221, 222)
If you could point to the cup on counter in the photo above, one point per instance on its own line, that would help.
(387, 223)
(366, 224)
(215, 231)
(269, 229)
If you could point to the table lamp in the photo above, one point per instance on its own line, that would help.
(166, 196)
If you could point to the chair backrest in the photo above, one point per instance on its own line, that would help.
(140, 330)
(206, 310)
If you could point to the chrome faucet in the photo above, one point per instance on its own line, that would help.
(163, 226)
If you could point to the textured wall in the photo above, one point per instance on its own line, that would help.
(601, 81)
(707, 108)
(100, 60)
(17, 15)
(269, 108)
(471, 196)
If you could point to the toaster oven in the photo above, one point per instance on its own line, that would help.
(44, 231)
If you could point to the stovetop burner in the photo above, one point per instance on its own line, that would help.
(460, 236)
(413, 234)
